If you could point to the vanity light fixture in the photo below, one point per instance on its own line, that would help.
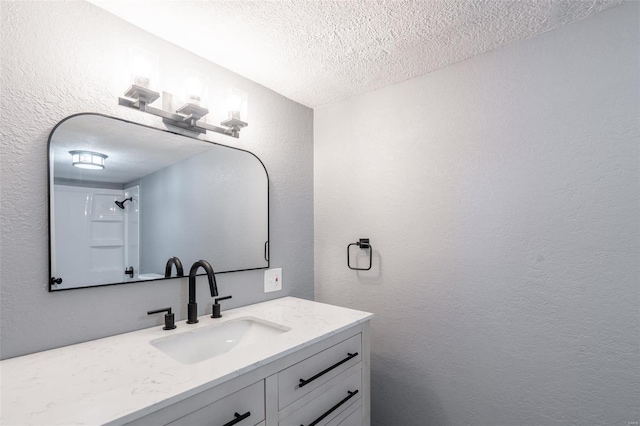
(88, 160)
(141, 94)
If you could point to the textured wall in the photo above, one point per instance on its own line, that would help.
(501, 195)
(61, 58)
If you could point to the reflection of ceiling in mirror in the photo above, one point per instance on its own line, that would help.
(133, 150)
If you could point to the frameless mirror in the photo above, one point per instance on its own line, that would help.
(125, 198)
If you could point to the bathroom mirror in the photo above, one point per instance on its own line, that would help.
(124, 198)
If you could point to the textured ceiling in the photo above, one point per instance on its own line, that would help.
(133, 151)
(316, 52)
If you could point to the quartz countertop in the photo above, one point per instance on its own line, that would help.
(120, 378)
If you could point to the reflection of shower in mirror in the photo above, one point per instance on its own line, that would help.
(96, 241)
(121, 203)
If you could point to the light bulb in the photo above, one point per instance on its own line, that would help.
(236, 104)
(141, 71)
(143, 68)
(233, 106)
(194, 90)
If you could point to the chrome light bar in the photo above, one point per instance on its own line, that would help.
(186, 117)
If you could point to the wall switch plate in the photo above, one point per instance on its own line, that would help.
(272, 280)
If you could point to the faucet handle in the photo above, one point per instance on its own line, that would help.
(169, 318)
(216, 306)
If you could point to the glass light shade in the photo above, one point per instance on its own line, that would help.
(88, 160)
(236, 104)
(143, 68)
(194, 88)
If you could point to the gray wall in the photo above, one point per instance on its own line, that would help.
(61, 58)
(501, 195)
(215, 202)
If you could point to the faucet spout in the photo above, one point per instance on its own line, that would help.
(174, 261)
(192, 306)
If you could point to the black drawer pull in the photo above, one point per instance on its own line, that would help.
(332, 409)
(337, 364)
(239, 418)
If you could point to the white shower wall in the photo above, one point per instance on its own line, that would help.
(91, 245)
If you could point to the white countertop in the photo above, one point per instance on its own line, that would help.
(104, 380)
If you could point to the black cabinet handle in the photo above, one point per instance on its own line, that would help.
(334, 408)
(304, 382)
(239, 418)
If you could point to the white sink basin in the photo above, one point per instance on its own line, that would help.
(198, 345)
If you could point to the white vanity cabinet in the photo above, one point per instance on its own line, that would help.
(313, 372)
(245, 407)
(333, 400)
(325, 384)
(320, 387)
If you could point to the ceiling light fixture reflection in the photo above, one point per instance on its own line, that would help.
(88, 160)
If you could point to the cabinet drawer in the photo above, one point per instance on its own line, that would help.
(352, 417)
(248, 400)
(328, 407)
(317, 370)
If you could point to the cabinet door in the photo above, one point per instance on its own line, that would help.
(317, 370)
(242, 408)
(328, 406)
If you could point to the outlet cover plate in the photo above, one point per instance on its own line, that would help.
(272, 280)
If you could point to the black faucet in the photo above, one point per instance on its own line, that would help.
(173, 261)
(192, 306)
